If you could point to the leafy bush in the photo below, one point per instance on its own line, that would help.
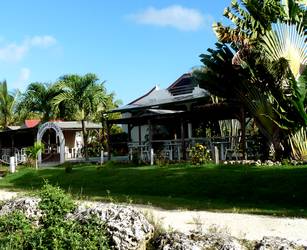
(199, 154)
(32, 153)
(298, 143)
(54, 231)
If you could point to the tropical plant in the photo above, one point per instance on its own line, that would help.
(250, 19)
(86, 94)
(33, 151)
(55, 231)
(199, 154)
(8, 104)
(255, 68)
(298, 142)
(36, 102)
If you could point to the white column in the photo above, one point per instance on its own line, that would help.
(151, 156)
(12, 164)
(190, 130)
(216, 155)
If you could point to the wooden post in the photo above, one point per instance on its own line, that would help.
(140, 135)
(182, 141)
(243, 129)
(216, 155)
(129, 132)
(150, 133)
(109, 147)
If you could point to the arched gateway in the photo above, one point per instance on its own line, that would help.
(60, 139)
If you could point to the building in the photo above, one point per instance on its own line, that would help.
(62, 140)
(168, 120)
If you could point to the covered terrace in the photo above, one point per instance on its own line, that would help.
(167, 122)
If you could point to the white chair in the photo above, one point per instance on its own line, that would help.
(67, 153)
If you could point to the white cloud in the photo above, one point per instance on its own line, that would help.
(42, 41)
(23, 77)
(175, 16)
(13, 52)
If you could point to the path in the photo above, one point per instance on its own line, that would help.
(243, 226)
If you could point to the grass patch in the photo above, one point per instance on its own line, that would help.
(278, 190)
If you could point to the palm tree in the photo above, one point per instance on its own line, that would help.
(252, 71)
(8, 102)
(37, 101)
(85, 94)
(33, 151)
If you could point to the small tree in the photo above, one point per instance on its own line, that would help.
(32, 152)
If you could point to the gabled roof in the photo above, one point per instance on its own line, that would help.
(182, 90)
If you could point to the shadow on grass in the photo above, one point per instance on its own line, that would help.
(278, 191)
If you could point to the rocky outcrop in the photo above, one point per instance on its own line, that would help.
(27, 205)
(180, 241)
(218, 241)
(277, 243)
(127, 227)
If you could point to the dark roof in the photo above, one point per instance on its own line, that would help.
(183, 85)
(183, 90)
(148, 93)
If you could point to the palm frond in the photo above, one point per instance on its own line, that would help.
(287, 41)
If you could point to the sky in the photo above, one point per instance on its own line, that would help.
(132, 45)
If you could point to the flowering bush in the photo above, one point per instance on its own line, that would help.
(199, 154)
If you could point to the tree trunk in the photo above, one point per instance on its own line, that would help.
(84, 135)
(277, 143)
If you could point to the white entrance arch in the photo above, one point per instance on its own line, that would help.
(59, 134)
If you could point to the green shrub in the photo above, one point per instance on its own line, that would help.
(15, 230)
(54, 231)
(199, 154)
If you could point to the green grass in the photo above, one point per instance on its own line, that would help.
(280, 191)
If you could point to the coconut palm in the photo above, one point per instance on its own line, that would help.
(8, 102)
(85, 94)
(37, 101)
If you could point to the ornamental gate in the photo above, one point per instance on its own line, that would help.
(59, 138)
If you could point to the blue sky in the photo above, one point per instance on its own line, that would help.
(131, 44)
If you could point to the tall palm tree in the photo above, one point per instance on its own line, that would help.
(37, 101)
(8, 102)
(85, 94)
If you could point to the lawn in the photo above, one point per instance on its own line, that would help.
(280, 191)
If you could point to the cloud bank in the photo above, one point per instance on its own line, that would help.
(13, 52)
(174, 16)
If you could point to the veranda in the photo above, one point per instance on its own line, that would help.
(147, 143)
